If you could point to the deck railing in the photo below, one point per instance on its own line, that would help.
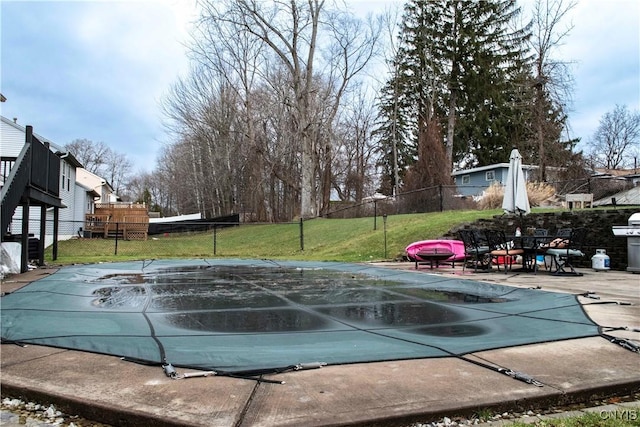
(129, 221)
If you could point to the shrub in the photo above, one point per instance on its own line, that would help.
(538, 192)
(492, 197)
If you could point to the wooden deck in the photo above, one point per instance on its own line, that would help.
(129, 221)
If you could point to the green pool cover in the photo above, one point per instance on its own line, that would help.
(251, 315)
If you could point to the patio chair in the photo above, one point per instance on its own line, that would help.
(474, 250)
(569, 248)
(558, 240)
(502, 249)
(533, 246)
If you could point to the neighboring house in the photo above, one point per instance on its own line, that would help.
(99, 185)
(472, 182)
(616, 176)
(85, 202)
(627, 197)
(632, 175)
(76, 199)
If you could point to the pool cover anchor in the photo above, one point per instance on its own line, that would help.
(198, 374)
(622, 342)
(589, 294)
(309, 365)
(171, 372)
(521, 376)
(257, 375)
(16, 343)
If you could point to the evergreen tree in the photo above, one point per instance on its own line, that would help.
(487, 59)
(397, 149)
(460, 61)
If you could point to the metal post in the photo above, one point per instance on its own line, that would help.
(384, 221)
(56, 219)
(375, 214)
(117, 231)
(215, 239)
(43, 234)
(24, 239)
(301, 235)
(441, 198)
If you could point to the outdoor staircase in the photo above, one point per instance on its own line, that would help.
(115, 234)
(14, 187)
(33, 180)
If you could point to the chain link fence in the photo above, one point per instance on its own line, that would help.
(288, 240)
(185, 239)
(78, 241)
(458, 197)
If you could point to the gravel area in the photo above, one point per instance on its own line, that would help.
(16, 412)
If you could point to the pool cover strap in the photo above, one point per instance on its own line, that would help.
(255, 375)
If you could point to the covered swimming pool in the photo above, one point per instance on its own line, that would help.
(240, 317)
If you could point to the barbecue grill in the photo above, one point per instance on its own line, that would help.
(632, 232)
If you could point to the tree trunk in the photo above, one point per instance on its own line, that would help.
(451, 125)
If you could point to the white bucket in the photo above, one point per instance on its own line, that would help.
(600, 261)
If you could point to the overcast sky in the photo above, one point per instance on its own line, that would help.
(97, 70)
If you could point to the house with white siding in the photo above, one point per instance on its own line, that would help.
(99, 185)
(76, 199)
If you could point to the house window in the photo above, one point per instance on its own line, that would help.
(466, 179)
(490, 176)
(66, 176)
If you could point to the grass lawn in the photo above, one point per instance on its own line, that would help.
(342, 240)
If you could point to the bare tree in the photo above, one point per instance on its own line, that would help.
(616, 141)
(294, 36)
(98, 158)
(253, 122)
(203, 111)
(117, 171)
(552, 78)
(151, 189)
(92, 155)
(236, 57)
(354, 162)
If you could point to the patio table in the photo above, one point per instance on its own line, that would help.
(532, 246)
(432, 256)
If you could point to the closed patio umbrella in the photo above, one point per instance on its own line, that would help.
(516, 200)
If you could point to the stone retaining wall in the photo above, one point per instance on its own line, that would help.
(598, 222)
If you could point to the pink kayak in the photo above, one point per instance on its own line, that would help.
(455, 247)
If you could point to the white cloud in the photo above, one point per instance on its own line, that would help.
(605, 44)
(113, 62)
(98, 69)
